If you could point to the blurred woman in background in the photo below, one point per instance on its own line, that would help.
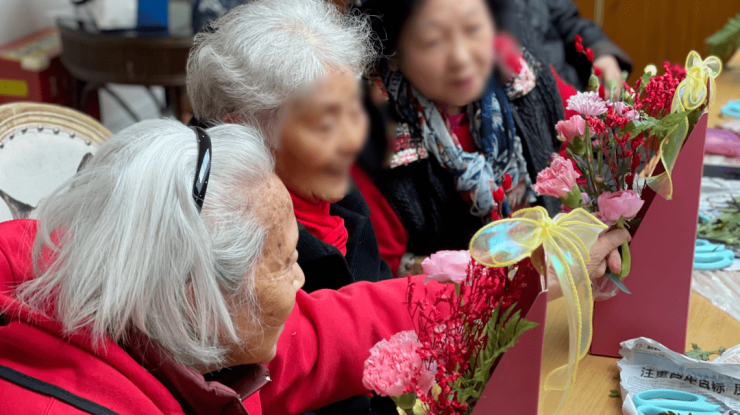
(292, 68)
(463, 124)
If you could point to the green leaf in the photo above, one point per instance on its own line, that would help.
(616, 376)
(658, 127)
(725, 228)
(502, 332)
(726, 40)
(672, 120)
(637, 126)
(614, 394)
(699, 354)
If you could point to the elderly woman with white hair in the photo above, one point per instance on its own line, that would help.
(159, 279)
(292, 68)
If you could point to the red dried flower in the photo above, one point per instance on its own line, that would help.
(590, 54)
(614, 120)
(455, 338)
(657, 97)
(597, 71)
(507, 181)
(498, 195)
(597, 126)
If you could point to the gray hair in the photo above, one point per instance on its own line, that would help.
(130, 249)
(260, 52)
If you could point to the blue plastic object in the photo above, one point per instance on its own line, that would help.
(152, 15)
(731, 108)
(704, 217)
(709, 256)
(656, 401)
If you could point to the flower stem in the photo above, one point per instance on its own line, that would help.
(590, 158)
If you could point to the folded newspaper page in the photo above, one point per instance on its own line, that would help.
(647, 364)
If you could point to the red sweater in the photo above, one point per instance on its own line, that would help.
(319, 360)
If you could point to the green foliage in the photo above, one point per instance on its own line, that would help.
(614, 394)
(726, 40)
(725, 228)
(700, 354)
(658, 127)
(502, 331)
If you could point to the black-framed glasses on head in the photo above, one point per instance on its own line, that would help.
(203, 168)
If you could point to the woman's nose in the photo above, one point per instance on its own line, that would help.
(460, 54)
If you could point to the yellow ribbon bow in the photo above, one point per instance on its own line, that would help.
(691, 93)
(566, 241)
(694, 90)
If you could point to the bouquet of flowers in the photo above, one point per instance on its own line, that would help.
(617, 146)
(443, 366)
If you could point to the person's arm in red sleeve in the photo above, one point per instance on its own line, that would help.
(322, 351)
(389, 231)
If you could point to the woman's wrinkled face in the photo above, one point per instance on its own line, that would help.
(446, 50)
(277, 276)
(323, 128)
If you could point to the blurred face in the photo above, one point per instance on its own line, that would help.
(446, 50)
(323, 128)
(277, 277)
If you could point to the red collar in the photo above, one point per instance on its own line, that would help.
(228, 391)
(319, 223)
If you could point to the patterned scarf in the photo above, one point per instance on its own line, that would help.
(423, 130)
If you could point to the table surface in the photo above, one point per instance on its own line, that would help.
(709, 327)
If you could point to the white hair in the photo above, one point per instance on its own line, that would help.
(132, 251)
(259, 53)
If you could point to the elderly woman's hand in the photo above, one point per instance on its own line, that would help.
(610, 70)
(604, 252)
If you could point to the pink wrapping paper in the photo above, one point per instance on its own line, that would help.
(514, 387)
(662, 261)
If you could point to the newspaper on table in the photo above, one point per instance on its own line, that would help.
(647, 364)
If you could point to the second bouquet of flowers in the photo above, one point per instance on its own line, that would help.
(618, 145)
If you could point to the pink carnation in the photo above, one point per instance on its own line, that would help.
(557, 180)
(394, 366)
(447, 266)
(571, 128)
(624, 203)
(587, 103)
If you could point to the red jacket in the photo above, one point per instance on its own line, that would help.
(319, 360)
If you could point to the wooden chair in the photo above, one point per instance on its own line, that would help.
(41, 146)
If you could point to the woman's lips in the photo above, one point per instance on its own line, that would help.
(463, 83)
